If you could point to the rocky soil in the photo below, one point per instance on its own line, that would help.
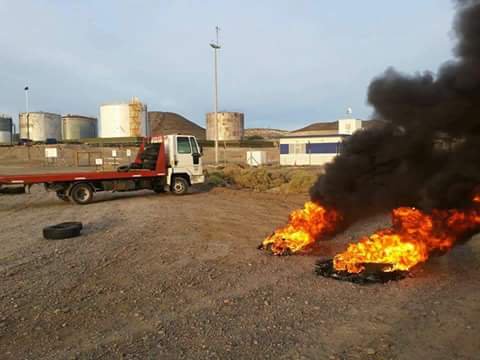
(165, 277)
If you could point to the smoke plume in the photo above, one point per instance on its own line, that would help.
(425, 150)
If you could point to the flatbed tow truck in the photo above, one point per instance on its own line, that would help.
(171, 162)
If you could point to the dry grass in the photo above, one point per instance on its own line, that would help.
(269, 178)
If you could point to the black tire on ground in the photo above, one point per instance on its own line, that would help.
(62, 231)
(179, 186)
(81, 193)
(62, 196)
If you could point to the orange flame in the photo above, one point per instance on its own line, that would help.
(413, 237)
(304, 227)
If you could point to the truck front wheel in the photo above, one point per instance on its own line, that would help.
(179, 186)
(81, 193)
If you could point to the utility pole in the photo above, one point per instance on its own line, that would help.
(28, 122)
(26, 111)
(216, 46)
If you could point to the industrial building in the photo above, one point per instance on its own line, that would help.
(230, 126)
(167, 123)
(76, 127)
(123, 119)
(40, 126)
(6, 130)
(317, 144)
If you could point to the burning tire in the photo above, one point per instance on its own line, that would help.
(179, 186)
(62, 231)
(81, 193)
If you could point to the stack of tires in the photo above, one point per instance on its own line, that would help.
(149, 156)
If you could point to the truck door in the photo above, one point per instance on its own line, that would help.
(188, 155)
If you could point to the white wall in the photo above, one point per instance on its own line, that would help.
(300, 159)
(349, 126)
(306, 159)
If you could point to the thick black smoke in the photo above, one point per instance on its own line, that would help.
(425, 151)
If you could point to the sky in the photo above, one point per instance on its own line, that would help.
(285, 64)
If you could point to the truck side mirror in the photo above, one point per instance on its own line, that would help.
(201, 149)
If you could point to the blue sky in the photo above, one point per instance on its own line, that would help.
(284, 63)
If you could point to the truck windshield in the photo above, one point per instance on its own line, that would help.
(183, 145)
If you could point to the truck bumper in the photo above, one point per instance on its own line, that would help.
(197, 179)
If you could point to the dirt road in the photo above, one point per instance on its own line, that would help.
(163, 277)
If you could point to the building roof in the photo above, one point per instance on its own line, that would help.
(295, 136)
(320, 126)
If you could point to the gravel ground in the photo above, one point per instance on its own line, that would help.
(163, 277)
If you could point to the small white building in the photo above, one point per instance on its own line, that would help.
(316, 149)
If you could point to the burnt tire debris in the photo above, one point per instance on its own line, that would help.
(63, 230)
(371, 275)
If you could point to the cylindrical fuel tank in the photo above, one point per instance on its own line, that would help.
(76, 127)
(123, 119)
(230, 126)
(5, 130)
(40, 126)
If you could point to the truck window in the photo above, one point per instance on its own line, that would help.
(183, 145)
(194, 146)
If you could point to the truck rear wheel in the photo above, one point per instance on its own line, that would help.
(81, 193)
(179, 186)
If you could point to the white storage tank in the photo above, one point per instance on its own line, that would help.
(123, 119)
(230, 126)
(6, 135)
(40, 126)
(75, 127)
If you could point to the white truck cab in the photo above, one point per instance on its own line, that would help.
(184, 160)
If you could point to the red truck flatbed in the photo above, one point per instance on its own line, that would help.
(77, 176)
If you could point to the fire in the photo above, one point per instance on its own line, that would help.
(304, 227)
(414, 235)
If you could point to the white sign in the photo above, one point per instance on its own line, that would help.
(114, 153)
(51, 153)
(98, 162)
(129, 152)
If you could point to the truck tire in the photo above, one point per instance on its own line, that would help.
(81, 193)
(179, 186)
(62, 231)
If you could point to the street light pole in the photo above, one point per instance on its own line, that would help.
(216, 46)
(26, 111)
